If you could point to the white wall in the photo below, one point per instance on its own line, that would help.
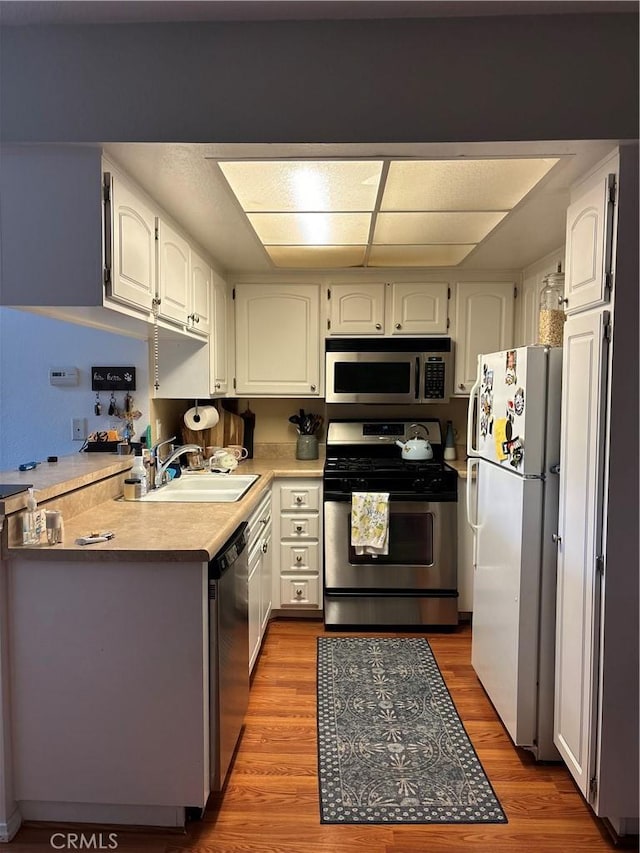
(35, 417)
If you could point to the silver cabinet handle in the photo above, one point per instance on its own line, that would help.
(461, 386)
(299, 559)
(564, 301)
(556, 538)
(378, 325)
(398, 325)
(265, 547)
(218, 385)
(299, 528)
(299, 499)
(299, 593)
(313, 387)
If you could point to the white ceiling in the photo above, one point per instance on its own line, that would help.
(186, 181)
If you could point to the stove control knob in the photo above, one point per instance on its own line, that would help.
(418, 485)
(358, 485)
(436, 484)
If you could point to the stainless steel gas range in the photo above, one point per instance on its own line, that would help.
(415, 583)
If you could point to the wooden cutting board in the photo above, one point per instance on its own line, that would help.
(233, 429)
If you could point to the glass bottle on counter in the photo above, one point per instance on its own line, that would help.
(551, 315)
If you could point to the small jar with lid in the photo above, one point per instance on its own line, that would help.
(551, 316)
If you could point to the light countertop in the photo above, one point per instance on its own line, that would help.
(176, 532)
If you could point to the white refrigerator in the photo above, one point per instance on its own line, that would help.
(513, 445)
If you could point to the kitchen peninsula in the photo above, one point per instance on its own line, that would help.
(105, 658)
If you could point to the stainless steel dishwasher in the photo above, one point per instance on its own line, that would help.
(228, 652)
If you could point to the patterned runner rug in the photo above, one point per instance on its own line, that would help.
(391, 746)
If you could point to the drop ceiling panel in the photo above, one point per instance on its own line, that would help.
(312, 257)
(417, 256)
(445, 227)
(311, 229)
(286, 185)
(461, 184)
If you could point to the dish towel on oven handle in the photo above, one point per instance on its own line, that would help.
(370, 522)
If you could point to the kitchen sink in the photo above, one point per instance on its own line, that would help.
(203, 488)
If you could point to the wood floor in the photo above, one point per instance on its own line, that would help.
(270, 804)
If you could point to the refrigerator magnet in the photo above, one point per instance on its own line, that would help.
(518, 401)
(510, 376)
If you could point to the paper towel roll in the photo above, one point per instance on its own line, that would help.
(201, 417)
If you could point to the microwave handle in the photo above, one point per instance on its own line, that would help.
(417, 388)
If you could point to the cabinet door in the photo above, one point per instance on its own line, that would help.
(587, 281)
(417, 309)
(219, 343)
(582, 450)
(484, 324)
(277, 340)
(253, 593)
(173, 274)
(266, 579)
(200, 313)
(356, 309)
(133, 263)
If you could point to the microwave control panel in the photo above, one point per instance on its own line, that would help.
(434, 377)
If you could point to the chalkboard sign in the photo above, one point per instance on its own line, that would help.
(113, 379)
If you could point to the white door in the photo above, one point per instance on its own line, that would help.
(590, 219)
(219, 343)
(173, 274)
(418, 309)
(200, 313)
(356, 309)
(278, 339)
(133, 267)
(504, 648)
(580, 531)
(484, 323)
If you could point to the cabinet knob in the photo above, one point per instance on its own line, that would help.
(378, 325)
(313, 387)
(299, 558)
(299, 593)
(556, 538)
(564, 301)
(265, 547)
(218, 385)
(299, 499)
(398, 325)
(299, 528)
(196, 317)
(461, 386)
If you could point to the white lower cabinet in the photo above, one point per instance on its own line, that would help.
(259, 582)
(298, 529)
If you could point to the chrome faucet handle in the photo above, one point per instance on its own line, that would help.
(159, 444)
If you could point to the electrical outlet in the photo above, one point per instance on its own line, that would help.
(79, 429)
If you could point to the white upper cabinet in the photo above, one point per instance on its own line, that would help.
(589, 248)
(174, 281)
(356, 309)
(484, 324)
(219, 346)
(392, 308)
(132, 271)
(199, 317)
(278, 340)
(417, 309)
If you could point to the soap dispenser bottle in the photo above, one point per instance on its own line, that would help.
(450, 442)
(31, 521)
(139, 472)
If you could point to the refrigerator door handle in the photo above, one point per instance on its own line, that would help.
(473, 395)
(470, 465)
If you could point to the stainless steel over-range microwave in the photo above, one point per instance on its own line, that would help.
(389, 370)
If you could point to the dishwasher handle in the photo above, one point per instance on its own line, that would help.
(229, 553)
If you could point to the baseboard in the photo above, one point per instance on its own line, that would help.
(9, 828)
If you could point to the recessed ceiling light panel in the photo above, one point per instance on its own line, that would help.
(311, 229)
(417, 256)
(317, 257)
(443, 227)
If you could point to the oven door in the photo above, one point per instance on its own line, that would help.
(422, 549)
(372, 377)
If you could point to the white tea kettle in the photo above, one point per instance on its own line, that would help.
(416, 449)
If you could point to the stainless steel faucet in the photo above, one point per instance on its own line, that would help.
(160, 466)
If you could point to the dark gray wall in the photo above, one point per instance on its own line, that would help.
(422, 80)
